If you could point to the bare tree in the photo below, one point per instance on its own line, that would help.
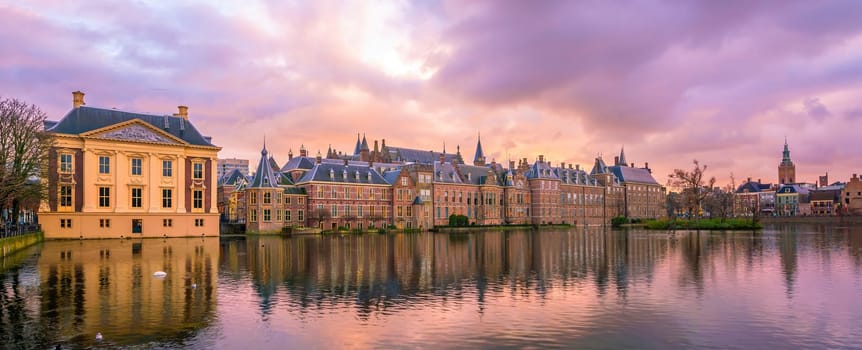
(692, 185)
(24, 150)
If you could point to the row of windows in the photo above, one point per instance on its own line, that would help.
(267, 198)
(106, 223)
(267, 215)
(136, 166)
(65, 199)
(336, 192)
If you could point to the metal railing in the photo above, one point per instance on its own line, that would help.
(18, 230)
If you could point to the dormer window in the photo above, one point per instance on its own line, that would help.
(331, 173)
(357, 174)
(369, 176)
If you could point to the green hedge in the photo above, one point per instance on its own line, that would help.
(703, 224)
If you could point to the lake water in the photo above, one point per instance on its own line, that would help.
(793, 286)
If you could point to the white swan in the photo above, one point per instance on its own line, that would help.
(160, 274)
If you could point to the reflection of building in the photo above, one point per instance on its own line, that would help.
(114, 174)
(108, 286)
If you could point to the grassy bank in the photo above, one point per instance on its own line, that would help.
(702, 224)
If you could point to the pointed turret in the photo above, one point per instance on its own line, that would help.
(358, 145)
(264, 177)
(786, 169)
(364, 145)
(479, 159)
(363, 150)
(622, 160)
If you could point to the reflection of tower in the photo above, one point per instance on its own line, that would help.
(786, 170)
(787, 250)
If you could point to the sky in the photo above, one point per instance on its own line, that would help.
(723, 82)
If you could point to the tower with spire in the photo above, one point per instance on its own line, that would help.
(621, 160)
(364, 150)
(261, 196)
(479, 159)
(786, 169)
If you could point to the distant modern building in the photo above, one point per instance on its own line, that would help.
(113, 173)
(225, 166)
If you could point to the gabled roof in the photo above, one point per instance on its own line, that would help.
(231, 178)
(753, 186)
(327, 172)
(629, 174)
(83, 119)
(833, 195)
(273, 164)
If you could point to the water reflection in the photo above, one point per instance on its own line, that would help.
(789, 286)
(77, 289)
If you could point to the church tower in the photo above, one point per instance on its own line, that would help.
(786, 170)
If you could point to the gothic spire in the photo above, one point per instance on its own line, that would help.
(358, 145)
(623, 156)
(479, 159)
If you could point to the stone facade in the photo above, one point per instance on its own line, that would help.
(120, 174)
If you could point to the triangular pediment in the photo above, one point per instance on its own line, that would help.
(135, 131)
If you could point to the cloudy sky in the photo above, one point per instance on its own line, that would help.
(720, 81)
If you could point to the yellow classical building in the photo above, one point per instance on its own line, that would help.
(116, 174)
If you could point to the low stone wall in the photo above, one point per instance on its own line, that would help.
(811, 220)
(11, 245)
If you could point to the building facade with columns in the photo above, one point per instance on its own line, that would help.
(115, 174)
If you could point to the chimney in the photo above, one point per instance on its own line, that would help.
(577, 167)
(563, 165)
(749, 179)
(617, 160)
(511, 164)
(758, 181)
(319, 158)
(570, 167)
(183, 112)
(77, 99)
(633, 165)
(541, 158)
(290, 154)
(345, 161)
(383, 143)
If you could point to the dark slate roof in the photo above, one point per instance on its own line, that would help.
(446, 173)
(599, 167)
(84, 119)
(49, 124)
(231, 178)
(542, 170)
(391, 176)
(273, 164)
(358, 145)
(792, 189)
(298, 163)
(623, 156)
(404, 155)
(284, 179)
(629, 174)
(752, 186)
(576, 177)
(322, 172)
(265, 177)
(477, 175)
